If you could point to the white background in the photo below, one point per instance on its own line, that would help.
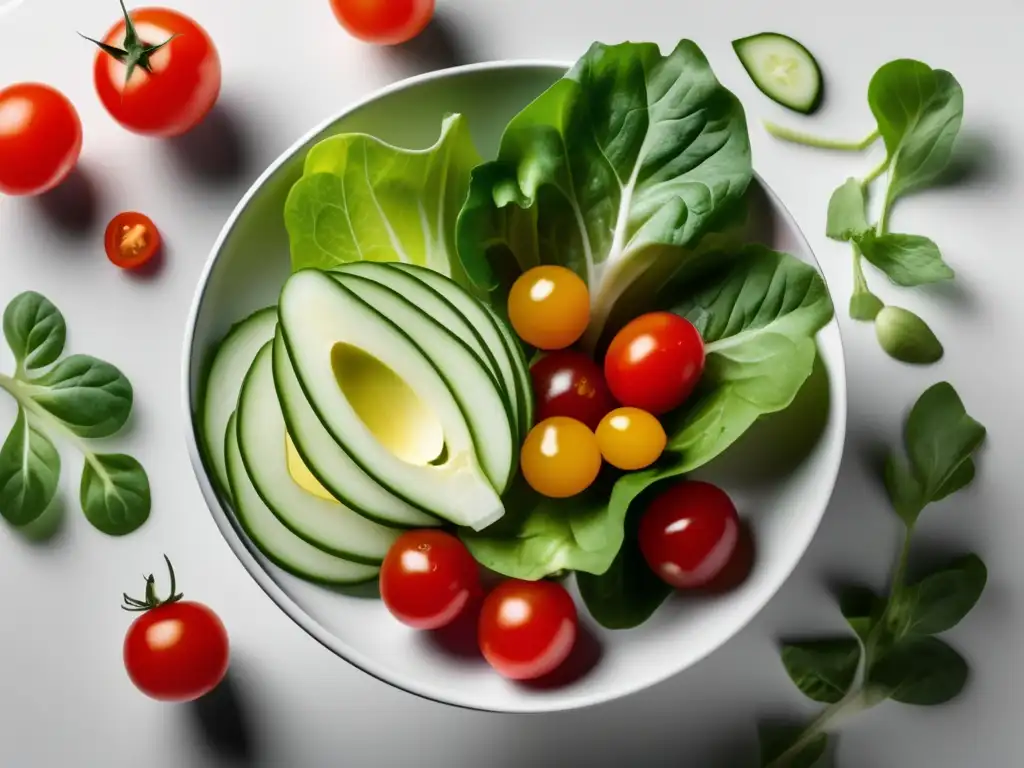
(64, 697)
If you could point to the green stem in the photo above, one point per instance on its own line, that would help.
(883, 218)
(806, 139)
(878, 171)
(854, 701)
(860, 282)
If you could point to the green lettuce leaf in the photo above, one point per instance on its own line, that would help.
(362, 199)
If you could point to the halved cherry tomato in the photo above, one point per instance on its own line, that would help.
(689, 533)
(176, 650)
(428, 578)
(384, 22)
(527, 628)
(630, 438)
(131, 240)
(165, 75)
(568, 383)
(560, 457)
(40, 138)
(549, 307)
(655, 362)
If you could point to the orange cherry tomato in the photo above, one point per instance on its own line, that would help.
(630, 438)
(549, 307)
(131, 240)
(560, 457)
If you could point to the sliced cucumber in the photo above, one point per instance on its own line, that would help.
(783, 69)
(262, 439)
(328, 461)
(475, 390)
(499, 339)
(231, 361)
(442, 311)
(273, 539)
(318, 317)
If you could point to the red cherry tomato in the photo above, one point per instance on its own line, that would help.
(40, 138)
(655, 362)
(176, 650)
(689, 533)
(568, 383)
(131, 240)
(166, 77)
(527, 628)
(384, 22)
(428, 578)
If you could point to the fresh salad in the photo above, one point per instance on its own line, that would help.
(510, 367)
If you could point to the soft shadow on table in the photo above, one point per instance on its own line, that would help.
(215, 151)
(71, 208)
(439, 46)
(223, 722)
(975, 162)
(46, 528)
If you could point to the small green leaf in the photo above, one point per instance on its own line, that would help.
(93, 398)
(961, 477)
(919, 670)
(864, 305)
(906, 337)
(115, 493)
(847, 217)
(29, 472)
(823, 670)
(862, 609)
(940, 601)
(907, 260)
(776, 740)
(34, 329)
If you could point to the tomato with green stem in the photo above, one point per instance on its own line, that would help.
(157, 72)
(384, 22)
(40, 138)
(176, 650)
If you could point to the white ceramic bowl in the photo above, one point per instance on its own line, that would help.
(781, 474)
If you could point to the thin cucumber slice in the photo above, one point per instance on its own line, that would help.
(231, 362)
(262, 438)
(269, 535)
(328, 462)
(783, 69)
(524, 384)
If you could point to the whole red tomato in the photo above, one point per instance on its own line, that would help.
(384, 22)
(655, 362)
(568, 383)
(428, 578)
(689, 534)
(527, 628)
(40, 138)
(176, 650)
(157, 72)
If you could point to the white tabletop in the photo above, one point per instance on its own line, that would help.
(64, 696)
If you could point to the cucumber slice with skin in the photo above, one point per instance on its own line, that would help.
(326, 524)
(231, 362)
(475, 390)
(328, 461)
(317, 314)
(269, 535)
(782, 69)
(442, 311)
(496, 334)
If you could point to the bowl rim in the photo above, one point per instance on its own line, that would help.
(277, 594)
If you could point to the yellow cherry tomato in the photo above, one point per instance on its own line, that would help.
(560, 457)
(549, 307)
(630, 438)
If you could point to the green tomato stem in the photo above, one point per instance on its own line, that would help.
(808, 140)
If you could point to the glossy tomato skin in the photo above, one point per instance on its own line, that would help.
(568, 383)
(549, 307)
(689, 534)
(527, 628)
(383, 22)
(183, 86)
(630, 438)
(177, 652)
(428, 578)
(560, 457)
(655, 362)
(131, 240)
(40, 138)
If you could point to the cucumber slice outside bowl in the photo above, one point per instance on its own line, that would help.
(245, 271)
(782, 69)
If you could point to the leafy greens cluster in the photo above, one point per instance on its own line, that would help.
(76, 397)
(894, 652)
(918, 111)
